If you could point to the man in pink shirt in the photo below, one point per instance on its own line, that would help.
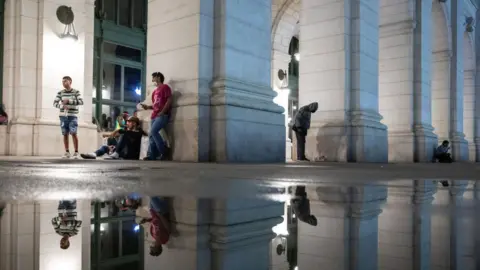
(162, 101)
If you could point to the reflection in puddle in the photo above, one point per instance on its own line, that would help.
(262, 225)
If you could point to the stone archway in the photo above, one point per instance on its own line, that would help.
(285, 19)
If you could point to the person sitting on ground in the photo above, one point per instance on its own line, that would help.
(2, 208)
(301, 124)
(159, 224)
(66, 223)
(129, 145)
(105, 149)
(442, 153)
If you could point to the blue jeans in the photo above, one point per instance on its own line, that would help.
(159, 205)
(69, 125)
(102, 150)
(67, 205)
(156, 145)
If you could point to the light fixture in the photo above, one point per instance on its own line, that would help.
(138, 91)
(65, 16)
(297, 57)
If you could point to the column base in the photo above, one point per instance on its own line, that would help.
(477, 149)
(28, 137)
(425, 143)
(459, 147)
(247, 126)
(364, 140)
(472, 151)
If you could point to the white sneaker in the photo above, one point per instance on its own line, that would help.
(76, 155)
(115, 155)
(66, 155)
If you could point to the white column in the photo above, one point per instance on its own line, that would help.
(469, 112)
(456, 135)
(404, 226)
(441, 93)
(246, 124)
(180, 45)
(34, 64)
(339, 70)
(280, 61)
(346, 237)
(405, 81)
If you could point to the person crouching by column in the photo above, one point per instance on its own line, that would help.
(66, 223)
(159, 224)
(162, 103)
(301, 124)
(442, 153)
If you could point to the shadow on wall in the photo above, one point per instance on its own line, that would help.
(330, 146)
(176, 95)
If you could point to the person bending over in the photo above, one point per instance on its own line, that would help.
(301, 124)
(442, 153)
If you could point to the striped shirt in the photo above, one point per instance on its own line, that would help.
(74, 100)
(66, 223)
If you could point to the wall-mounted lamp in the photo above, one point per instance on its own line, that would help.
(469, 24)
(283, 77)
(65, 16)
(297, 57)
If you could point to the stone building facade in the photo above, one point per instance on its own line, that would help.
(392, 78)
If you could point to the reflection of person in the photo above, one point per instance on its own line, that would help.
(132, 201)
(3, 115)
(301, 206)
(162, 101)
(66, 223)
(159, 224)
(68, 100)
(301, 124)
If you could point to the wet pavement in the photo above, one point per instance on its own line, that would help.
(408, 216)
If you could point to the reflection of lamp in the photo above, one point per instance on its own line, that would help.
(297, 57)
(65, 15)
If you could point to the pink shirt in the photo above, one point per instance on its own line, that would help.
(159, 99)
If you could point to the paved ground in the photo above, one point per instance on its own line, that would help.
(52, 178)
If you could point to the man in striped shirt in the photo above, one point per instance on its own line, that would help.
(68, 101)
(66, 223)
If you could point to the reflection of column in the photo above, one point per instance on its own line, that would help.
(457, 232)
(447, 239)
(33, 74)
(218, 234)
(347, 234)
(29, 242)
(404, 226)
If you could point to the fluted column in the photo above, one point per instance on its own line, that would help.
(404, 226)
(346, 237)
(339, 70)
(469, 112)
(456, 132)
(405, 81)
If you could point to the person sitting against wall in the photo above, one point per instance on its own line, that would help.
(129, 145)
(442, 153)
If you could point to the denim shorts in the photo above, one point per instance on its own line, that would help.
(69, 125)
